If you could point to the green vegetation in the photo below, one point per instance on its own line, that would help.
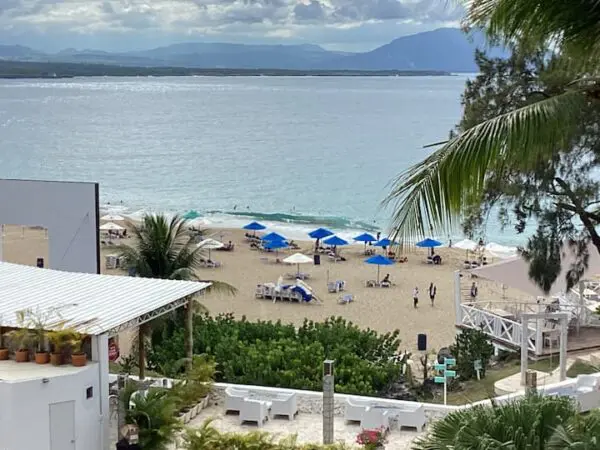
(469, 346)
(581, 368)
(206, 437)
(528, 142)
(273, 354)
(533, 422)
(163, 248)
(17, 69)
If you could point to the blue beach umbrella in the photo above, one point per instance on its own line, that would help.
(383, 243)
(379, 260)
(320, 233)
(429, 243)
(365, 237)
(335, 241)
(273, 237)
(254, 226)
(275, 245)
(191, 215)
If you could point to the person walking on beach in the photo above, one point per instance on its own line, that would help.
(473, 291)
(416, 297)
(432, 292)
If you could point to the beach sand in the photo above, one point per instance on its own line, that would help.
(378, 308)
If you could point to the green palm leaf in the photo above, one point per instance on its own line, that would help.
(435, 192)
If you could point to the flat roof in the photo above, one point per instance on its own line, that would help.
(90, 303)
(11, 371)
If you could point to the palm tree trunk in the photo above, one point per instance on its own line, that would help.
(142, 351)
(189, 333)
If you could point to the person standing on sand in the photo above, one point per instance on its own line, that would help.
(474, 291)
(416, 297)
(432, 292)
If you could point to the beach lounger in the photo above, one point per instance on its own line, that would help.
(371, 283)
(385, 284)
(346, 298)
(259, 291)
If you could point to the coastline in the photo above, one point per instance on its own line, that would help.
(60, 70)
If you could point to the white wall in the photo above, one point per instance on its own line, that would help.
(68, 210)
(25, 410)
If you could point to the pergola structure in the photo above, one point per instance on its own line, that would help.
(97, 305)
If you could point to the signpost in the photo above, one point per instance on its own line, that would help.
(445, 373)
(478, 367)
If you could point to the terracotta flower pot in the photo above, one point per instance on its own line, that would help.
(42, 357)
(22, 356)
(56, 359)
(3, 354)
(79, 359)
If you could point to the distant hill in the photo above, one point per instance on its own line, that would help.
(445, 49)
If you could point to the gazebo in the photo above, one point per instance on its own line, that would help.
(97, 305)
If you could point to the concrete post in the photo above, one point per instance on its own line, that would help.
(457, 299)
(563, 348)
(328, 402)
(100, 355)
(524, 356)
(580, 304)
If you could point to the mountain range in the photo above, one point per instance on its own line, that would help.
(444, 49)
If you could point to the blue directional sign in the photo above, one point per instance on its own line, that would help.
(440, 380)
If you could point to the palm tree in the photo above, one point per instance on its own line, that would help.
(162, 248)
(435, 192)
(529, 423)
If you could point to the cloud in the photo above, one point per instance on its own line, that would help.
(254, 19)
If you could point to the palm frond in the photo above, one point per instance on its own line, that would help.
(434, 193)
(575, 24)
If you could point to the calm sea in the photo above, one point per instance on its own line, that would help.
(291, 151)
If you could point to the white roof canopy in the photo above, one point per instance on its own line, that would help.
(93, 304)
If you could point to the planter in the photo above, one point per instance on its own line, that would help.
(56, 359)
(3, 354)
(79, 359)
(42, 357)
(22, 356)
(204, 402)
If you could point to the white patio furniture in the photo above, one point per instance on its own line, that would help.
(254, 411)
(587, 383)
(374, 418)
(355, 409)
(284, 405)
(412, 416)
(346, 298)
(234, 399)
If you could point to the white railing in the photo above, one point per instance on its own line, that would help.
(499, 328)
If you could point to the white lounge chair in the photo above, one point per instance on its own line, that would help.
(412, 417)
(346, 298)
(587, 383)
(284, 405)
(355, 409)
(374, 418)
(254, 411)
(234, 399)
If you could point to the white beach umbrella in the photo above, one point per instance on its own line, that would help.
(210, 244)
(298, 258)
(112, 218)
(110, 226)
(466, 244)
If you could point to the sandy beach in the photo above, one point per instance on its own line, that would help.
(377, 308)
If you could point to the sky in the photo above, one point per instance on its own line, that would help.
(121, 25)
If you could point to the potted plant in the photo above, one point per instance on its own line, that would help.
(372, 439)
(38, 322)
(59, 340)
(21, 338)
(78, 356)
(3, 349)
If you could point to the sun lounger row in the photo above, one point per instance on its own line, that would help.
(209, 263)
(254, 407)
(334, 287)
(382, 284)
(293, 293)
(373, 415)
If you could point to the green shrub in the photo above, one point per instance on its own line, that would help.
(471, 345)
(208, 438)
(278, 355)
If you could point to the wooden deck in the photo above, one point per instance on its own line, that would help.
(588, 339)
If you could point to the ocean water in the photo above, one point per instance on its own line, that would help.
(291, 152)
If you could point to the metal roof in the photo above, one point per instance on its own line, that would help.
(90, 303)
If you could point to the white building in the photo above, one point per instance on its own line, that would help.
(43, 407)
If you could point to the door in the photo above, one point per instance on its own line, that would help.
(62, 426)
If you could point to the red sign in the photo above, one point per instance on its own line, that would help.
(113, 350)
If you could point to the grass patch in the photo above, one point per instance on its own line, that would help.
(475, 391)
(581, 368)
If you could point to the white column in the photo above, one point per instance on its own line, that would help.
(524, 339)
(539, 337)
(457, 299)
(100, 356)
(563, 348)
